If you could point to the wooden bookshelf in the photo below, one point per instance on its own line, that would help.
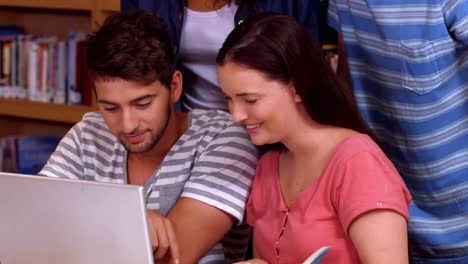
(103, 9)
(86, 5)
(68, 114)
(52, 17)
(108, 5)
(11, 126)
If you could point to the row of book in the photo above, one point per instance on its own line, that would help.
(26, 154)
(43, 68)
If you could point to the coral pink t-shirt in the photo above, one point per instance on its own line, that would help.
(358, 178)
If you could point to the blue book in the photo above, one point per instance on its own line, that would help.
(317, 256)
(33, 152)
(10, 30)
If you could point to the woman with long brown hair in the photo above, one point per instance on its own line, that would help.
(328, 183)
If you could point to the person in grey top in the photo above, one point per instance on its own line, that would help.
(196, 167)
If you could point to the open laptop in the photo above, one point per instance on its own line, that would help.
(55, 221)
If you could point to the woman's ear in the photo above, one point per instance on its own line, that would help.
(176, 86)
(297, 98)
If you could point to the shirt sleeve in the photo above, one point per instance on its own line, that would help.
(128, 5)
(368, 181)
(222, 174)
(333, 18)
(313, 15)
(456, 19)
(66, 161)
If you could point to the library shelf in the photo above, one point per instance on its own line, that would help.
(108, 5)
(67, 114)
(83, 5)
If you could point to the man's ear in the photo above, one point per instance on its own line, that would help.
(176, 86)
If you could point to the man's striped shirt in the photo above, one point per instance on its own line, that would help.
(409, 65)
(213, 162)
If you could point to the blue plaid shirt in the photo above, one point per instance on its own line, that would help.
(409, 66)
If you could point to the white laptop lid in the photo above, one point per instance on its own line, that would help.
(54, 221)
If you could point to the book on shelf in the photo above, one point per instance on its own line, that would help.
(74, 87)
(331, 53)
(44, 69)
(317, 256)
(26, 154)
(10, 30)
(8, 154)
(8, 57)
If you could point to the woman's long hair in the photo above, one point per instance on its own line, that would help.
(285, 51)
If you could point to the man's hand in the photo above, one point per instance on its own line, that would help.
(163, 239)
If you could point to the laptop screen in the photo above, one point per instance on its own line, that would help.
(46, 220)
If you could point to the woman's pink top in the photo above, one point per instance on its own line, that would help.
(357, 179)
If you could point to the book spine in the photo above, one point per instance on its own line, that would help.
(33, 71)
(7, 68)
(61, 72)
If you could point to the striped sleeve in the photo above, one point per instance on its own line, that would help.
(66, 161)
(222, 175)
(333, 19)
(456, 17)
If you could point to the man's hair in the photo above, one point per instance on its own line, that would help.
(133, 47)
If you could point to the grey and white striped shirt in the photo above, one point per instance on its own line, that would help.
(213, 162)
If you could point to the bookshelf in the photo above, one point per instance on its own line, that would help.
(50, 4)
(52, 17)
(43, 111)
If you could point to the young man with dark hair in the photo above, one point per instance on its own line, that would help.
(196, 167)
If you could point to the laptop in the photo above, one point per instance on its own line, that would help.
(56, 221)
